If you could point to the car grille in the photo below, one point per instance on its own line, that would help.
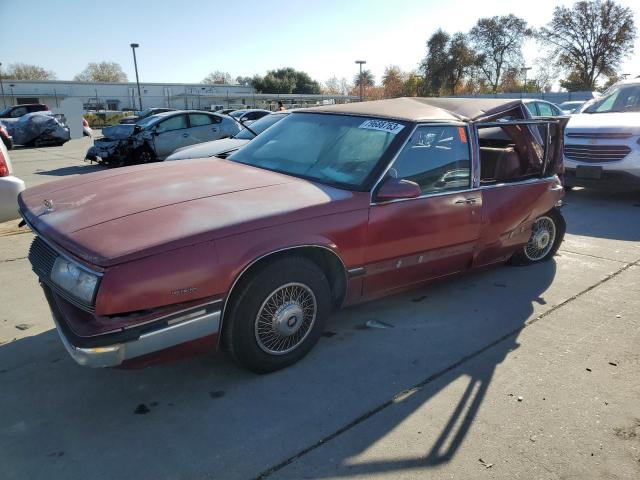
(42, 258)
(596, 153)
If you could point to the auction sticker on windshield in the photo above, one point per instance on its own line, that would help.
(382, 125)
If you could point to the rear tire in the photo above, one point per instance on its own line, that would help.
(278, 315)
(546, 236)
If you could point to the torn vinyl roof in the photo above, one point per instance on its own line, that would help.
(420, 109)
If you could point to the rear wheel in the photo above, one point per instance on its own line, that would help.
(278, 315)
(547, 234)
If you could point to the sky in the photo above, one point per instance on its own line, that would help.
(184, 40)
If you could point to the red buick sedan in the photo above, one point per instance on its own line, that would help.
(331, 206)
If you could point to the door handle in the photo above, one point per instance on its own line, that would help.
(214, 129)
(466, 201)
(185, 135)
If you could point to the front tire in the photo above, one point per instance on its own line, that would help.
(278, 315)
(546, 236)
(145, 155)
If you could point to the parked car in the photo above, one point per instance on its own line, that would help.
(249, 115)
(6, 138)
(331, 206)
(602, 144)
(10, 187)
(156, 137)
(226, 111)
(569, 108)
(147, 112)
(226, 146)
(38, 129)
(17, 111)
(542, 108)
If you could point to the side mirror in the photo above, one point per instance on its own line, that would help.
(394, 189)
(137, 129)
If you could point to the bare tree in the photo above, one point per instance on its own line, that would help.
(331, 86)
(24, 71)
(218, 78)
(589, 39)
(499, 41)
(102, 72)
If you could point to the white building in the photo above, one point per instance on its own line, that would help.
(124, 96)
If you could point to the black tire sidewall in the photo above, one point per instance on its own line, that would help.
(239, 331)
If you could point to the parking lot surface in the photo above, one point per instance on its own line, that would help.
(529, 372)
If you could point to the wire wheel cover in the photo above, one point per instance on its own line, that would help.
(542, 239)
(285, 318)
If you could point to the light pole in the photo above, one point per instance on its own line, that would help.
(135, 64)
(13, 99)
(361, 62)
(525, 70)
(4, 102)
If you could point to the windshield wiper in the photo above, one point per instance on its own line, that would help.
(242, 125)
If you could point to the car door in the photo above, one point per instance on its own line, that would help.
(204, 128)
(170, 134)
(412, 240)
(517, 176)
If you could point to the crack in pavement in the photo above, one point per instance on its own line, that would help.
(418, 386)
(12, 259)
(593, 256)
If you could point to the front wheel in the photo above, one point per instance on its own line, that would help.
(278, 315)
(145, 155)
(547, 234)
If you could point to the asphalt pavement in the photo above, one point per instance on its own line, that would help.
(511, 372)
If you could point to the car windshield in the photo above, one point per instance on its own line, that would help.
(260, 126)
(149, 121)
(338, 150)
(625, 98)
(237, 113)
(5, 111)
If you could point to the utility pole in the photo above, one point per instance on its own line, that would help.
(135, 64)
(4, 102)
(525, 70)
(361, 62)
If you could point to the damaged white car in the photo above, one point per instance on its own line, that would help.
(155, 138)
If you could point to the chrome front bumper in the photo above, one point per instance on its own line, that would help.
(155, 341)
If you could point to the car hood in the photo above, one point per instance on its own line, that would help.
(113, 216)
(207, 149)
(118, 132)
(605, 122)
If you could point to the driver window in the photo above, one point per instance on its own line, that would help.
(173, 123)
(436, 158)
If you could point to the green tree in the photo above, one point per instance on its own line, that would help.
(589, 39)
(448, 62)
(102, 72)
(25, 71)
(366, 79)
(286, 80)
(413, 85)
(498, 40)
(393, 82)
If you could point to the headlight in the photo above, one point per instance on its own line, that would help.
(73, 279)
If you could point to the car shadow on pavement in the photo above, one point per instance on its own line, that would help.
(73, 170)
(204, 416)
(587, 205)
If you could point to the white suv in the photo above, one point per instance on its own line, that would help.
(602, 144)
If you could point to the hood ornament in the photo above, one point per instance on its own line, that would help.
(48, 205)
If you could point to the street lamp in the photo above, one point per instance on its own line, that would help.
(4, 102)
(525, 70)
(361, 62)
(135, 64)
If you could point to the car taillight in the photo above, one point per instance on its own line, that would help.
(4, 168)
